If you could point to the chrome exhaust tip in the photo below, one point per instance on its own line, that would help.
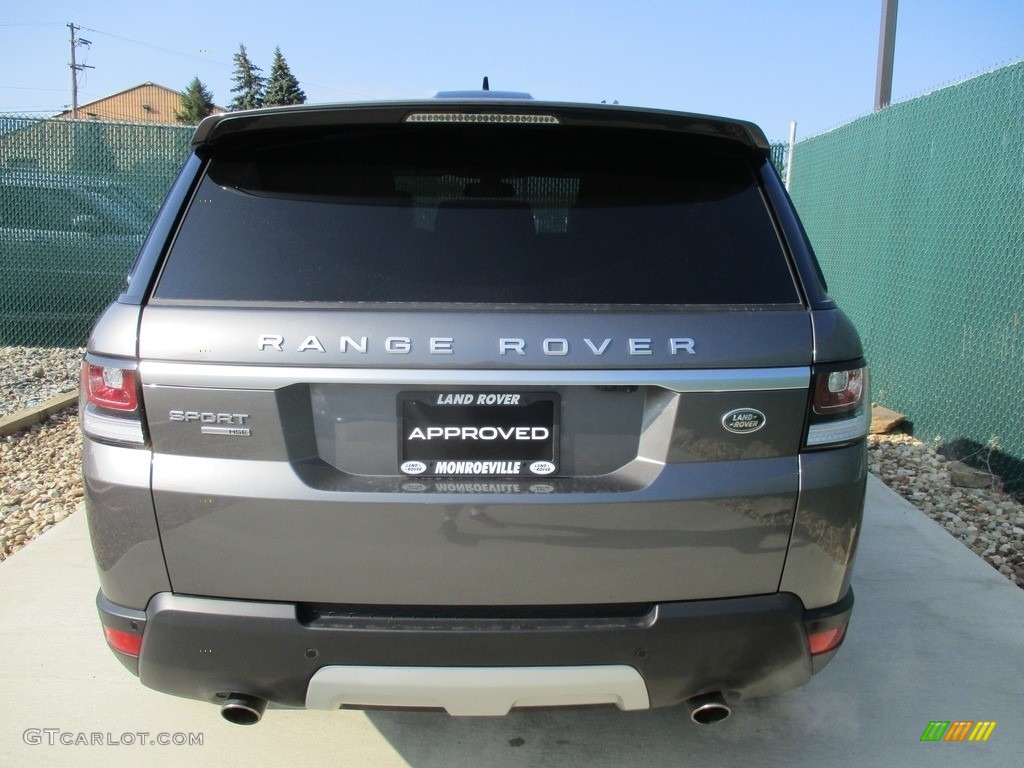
(243, 709)
(708, 708)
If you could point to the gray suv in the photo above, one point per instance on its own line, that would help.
(474, 403)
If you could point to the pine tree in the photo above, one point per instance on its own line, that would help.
(196, 103)
(248, 83)
(282, 87)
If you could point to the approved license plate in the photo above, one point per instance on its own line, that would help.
(478, 434)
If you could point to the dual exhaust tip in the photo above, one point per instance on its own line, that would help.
(243, 709)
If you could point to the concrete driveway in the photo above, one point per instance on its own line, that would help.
(937, 634)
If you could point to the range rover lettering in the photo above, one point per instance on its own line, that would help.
(475, 402)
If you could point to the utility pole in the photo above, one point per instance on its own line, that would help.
(76, 68)
(886, 52)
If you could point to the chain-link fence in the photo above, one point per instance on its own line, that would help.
(917, 215)
(779, 153)
(76, 199)
(916, 212)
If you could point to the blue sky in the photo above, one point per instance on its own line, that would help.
(770, 61)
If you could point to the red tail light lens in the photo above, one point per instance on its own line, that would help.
(128, 643)
(839, 413)
(825, 641)
(838, 391)
(112, 410)
(107, 387)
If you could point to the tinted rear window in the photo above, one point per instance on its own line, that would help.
(479, 214)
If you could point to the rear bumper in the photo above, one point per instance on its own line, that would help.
(201, 647)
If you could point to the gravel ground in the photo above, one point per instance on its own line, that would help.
(41, 479)
(988, 521)
(32, 375)
(41, 484)
(40, 466)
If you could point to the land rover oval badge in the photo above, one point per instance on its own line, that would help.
(743, 420)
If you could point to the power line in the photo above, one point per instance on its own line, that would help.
(158, 48)
(154, 47)
(216, 63)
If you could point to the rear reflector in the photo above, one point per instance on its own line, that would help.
(128, 643)
(114, 428)
(844, 431)
(825, 641)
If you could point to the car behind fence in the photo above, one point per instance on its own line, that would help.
(76, 199)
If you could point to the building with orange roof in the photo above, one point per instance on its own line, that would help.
(146, 103)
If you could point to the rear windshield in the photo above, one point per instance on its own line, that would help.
(479, 214)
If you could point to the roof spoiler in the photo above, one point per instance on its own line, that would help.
(216, 127)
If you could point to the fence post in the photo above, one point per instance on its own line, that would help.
(789, 155)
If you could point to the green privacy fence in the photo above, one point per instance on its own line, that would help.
(917, 216)
(76, 199)
(779, 152)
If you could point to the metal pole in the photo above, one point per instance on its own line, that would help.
(74, 75)
(789, 155)
(886, 52)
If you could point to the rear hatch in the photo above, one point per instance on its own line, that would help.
(510, 363)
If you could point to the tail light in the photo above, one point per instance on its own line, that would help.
(839, 411)
(826, 640)
(110, 403)
(129, 643)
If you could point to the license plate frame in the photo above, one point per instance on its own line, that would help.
(473, 433)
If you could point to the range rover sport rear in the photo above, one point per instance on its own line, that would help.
(475, 403)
